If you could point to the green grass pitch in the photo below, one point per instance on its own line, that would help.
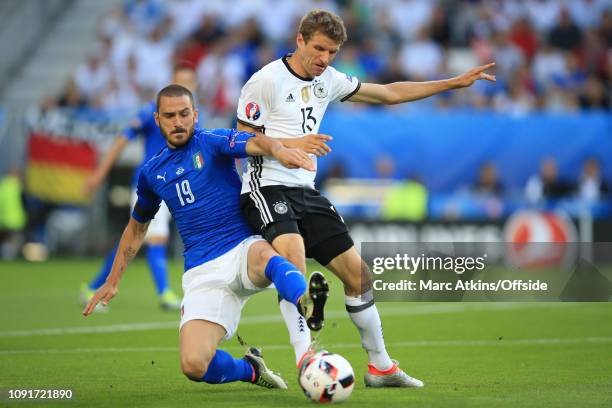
(468, 354)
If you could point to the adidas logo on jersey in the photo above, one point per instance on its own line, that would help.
(290, 98)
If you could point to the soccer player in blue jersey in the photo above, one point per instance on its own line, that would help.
(225, 263)
(157, 236)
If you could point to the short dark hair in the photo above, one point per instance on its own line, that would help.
(173, 90)
(326, 22)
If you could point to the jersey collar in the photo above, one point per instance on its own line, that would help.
(295, 74)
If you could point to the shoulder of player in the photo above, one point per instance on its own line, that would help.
(268, 74)
(272, 68)
(332, 73)
(213, 135)
(156, 161)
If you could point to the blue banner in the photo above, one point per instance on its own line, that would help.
(446, 149)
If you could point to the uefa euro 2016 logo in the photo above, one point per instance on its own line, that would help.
(252, 111)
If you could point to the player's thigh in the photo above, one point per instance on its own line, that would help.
(291, 246)
(258, 255)
(269, 212)
(209, 293)
(323, 229)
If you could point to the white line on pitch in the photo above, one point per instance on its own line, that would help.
(408, 310)
(416, 343)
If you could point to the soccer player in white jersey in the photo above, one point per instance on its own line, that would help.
(287, 99)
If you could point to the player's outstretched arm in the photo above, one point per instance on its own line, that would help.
(400, 92)
(261, 145)
(131, 241)
(312, 143)
(93, 182)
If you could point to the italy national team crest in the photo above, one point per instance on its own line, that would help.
(198, 161)
(252, 111)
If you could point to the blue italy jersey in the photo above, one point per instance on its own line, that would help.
(201, 188)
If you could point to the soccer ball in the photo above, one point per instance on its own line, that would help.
(327, 377)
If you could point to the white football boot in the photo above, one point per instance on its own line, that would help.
(393, 377)
(263, 376)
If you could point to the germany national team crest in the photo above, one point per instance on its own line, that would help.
(252, 111)
(281, 207)
(319, 90)
(306, 94)
(198, 161)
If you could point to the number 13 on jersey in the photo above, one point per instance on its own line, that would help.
(306, 118)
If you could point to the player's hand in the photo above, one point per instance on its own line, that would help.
(475, 74)
(294, 158)
(104, 294)
(314, 143)
(91, 184)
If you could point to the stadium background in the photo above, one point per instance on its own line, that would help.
(454, 167)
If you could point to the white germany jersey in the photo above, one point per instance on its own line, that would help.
(282, 104)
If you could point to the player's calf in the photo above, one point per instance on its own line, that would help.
(223, 368)
(287, 278)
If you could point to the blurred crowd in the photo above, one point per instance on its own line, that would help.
(486, 197)
(551, 55)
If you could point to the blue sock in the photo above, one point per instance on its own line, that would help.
(287, 278)
(156, 257)
(224, 368)
(100, 278)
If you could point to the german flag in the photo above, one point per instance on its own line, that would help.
(57, 169)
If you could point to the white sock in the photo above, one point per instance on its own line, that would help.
(299, 333)
(368, 323)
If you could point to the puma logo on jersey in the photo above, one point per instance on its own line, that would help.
(162, 177)
(290, 98)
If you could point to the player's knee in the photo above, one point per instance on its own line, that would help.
(291, 247)
(269, 253)
(194, 366)
(264, 256)
(295, 255)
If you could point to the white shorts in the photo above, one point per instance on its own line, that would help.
(160, 225)
(217, 290)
